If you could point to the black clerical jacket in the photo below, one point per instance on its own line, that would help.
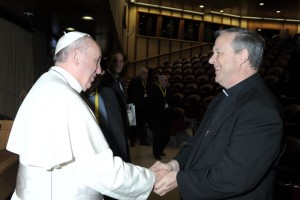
(236, 158)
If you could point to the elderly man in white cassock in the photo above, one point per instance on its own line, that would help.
(63, 153)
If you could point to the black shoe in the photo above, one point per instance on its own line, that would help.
(163, 154)
(145, 144)
(132, 145)
(157, 157)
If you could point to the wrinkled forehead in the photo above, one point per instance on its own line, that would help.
(93, 48)
(225, 39)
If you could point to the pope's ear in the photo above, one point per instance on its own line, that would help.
(75, 55)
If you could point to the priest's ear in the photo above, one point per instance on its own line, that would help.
(244, 56)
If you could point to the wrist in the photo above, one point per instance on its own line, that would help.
(173, 165)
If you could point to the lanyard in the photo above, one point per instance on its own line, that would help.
(163, 91)
(97, 105)
(145, 88)
(144, 84)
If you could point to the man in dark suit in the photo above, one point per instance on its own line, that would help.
(160, 116)
(111, 78)
(103, 102)
(138, 92)
(236, 148)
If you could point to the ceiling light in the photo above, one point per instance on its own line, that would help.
(261, 4)
(70, 29)
(28, 14)
(87, 17)
(201, 6)
(221, 11)
(168, 8)
(226, 14)
(278, 11)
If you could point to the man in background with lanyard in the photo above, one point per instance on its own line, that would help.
(137, 92)
(160, 122)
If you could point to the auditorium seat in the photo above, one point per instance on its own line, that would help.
(277, 71)
(202, 79)
(176, 87)
(176, 99)
(190, 88)
(290, 111)
(177, 65)
(206, 90)
(284, 57)
(195, 60)
(288, 179)
(192, 105)
(280, 63)
(187, 71)
(197, 65)
(266, 63)
(186, 65)
(178, 122)
(185, 61)
(190, 78)
(166, 71)
(176, 71)
(270, 79)
(176, 78)
(199, 71)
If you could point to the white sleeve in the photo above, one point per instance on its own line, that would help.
(112, 177)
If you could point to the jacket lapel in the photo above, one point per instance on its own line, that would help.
(203, 141)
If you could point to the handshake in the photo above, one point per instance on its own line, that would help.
(165, 176)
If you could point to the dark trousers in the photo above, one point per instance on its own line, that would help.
(139, 132)
(161, 136)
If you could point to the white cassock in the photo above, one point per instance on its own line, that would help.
(63, 153)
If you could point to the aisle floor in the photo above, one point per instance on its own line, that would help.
(142, 155)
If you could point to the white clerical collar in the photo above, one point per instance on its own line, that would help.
(224, 91)
(68, 78)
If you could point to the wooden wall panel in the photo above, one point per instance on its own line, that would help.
(153, 47)
(141, 48)
(5, 127)
(164, 46)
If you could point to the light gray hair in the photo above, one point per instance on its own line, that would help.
(247, 39)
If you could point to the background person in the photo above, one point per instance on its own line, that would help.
(138, 92)
(111, 78)
(63, 152)
(236, 148)
(160, 116)
(104, 103)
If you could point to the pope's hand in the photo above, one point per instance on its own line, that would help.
(166, 184)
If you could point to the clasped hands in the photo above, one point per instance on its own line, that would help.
(165, 177)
